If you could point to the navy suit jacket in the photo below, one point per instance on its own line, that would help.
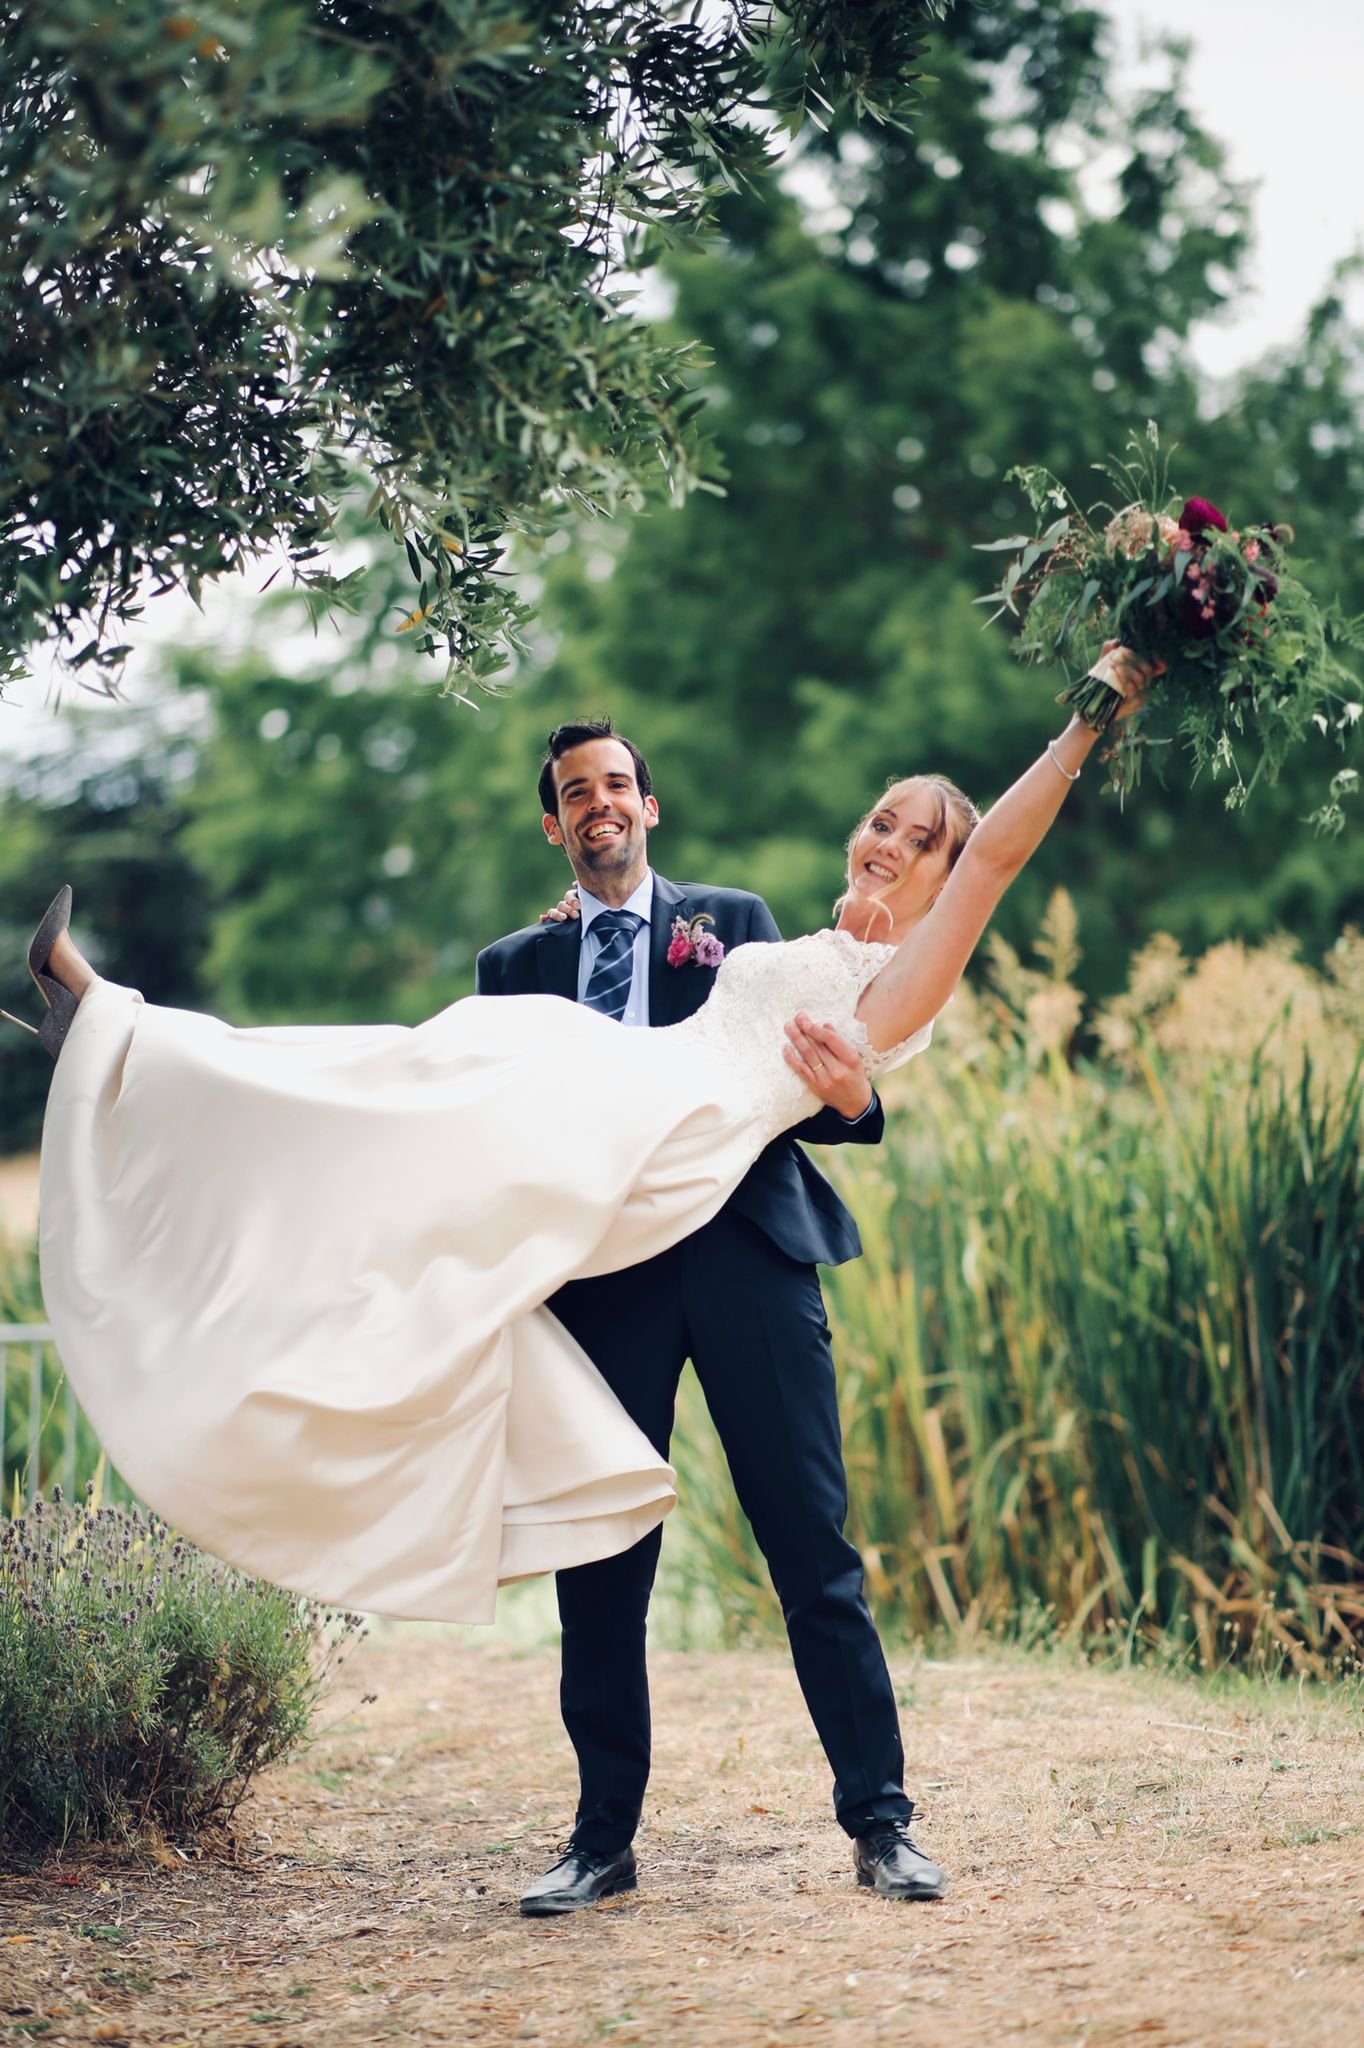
(782, 1192)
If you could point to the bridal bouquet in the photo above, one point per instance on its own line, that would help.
(1249, 668)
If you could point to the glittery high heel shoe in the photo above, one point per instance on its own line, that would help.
(61, 1004)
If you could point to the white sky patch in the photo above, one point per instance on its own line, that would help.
(1280, 88)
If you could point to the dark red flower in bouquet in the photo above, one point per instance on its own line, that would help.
(1198, 619)
(1202, 600)
(1199, 514)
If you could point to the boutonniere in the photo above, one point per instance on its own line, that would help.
(690, 944)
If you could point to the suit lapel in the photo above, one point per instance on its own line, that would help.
(557, 951)
(669, 902)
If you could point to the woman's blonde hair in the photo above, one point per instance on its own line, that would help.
(955, 819)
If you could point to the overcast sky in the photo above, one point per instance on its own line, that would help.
(1281, 86)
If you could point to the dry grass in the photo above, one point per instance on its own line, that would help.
(19, 1197)
(1134, 1860)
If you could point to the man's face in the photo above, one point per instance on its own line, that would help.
(603, 821)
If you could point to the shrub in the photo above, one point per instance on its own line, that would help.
(142, 1684)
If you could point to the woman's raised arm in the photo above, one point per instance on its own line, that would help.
(913, 986)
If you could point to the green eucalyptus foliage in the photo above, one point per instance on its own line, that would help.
(243, 241)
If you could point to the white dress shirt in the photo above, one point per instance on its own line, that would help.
(642, 903)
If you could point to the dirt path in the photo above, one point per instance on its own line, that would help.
(1133, 1860)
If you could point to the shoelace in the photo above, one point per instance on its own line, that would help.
(888, 1835)
(593, 1860)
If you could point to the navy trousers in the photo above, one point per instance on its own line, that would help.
(752, 1322)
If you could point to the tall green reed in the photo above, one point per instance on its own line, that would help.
(45, 1438)
(1101, 1363)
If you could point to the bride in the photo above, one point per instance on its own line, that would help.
(297, 1275)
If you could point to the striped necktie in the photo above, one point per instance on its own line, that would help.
(613, 970)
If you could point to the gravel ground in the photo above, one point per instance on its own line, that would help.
(1133, 1859)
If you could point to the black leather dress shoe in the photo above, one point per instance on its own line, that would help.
(579, 1878)
(887, 1860)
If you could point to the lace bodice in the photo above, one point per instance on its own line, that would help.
(758, 987)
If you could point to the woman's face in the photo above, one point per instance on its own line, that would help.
(893, 860)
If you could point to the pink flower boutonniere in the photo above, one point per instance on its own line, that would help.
(691, 944)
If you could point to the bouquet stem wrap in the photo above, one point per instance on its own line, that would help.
(1099, 694)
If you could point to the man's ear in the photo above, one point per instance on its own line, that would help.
(553, 831)
(650, 813)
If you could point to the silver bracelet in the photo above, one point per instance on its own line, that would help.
(1057, 762)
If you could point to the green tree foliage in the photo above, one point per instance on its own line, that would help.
(112, 818)
(247, 247)
(884, 348)
(884, 351)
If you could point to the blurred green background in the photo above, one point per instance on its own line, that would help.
(290, 827)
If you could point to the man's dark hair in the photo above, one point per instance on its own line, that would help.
(565, 736)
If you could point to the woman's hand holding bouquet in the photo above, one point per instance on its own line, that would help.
(1237, 652)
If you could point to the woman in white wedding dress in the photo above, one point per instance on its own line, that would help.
(297, 1274)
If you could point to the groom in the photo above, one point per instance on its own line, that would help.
(741, 1299)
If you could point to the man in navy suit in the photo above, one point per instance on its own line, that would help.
(741, 1299)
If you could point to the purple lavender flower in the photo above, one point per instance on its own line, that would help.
(709, 950)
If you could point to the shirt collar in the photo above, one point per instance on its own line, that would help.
(642, 902)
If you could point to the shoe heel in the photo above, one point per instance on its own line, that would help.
(31, 1029)
(61, 1013)
(56, 919)
(61, 1003)
(622, 1884)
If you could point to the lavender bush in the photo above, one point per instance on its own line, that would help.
(142, 1684)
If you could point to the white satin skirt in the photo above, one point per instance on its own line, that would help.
(297, 1276)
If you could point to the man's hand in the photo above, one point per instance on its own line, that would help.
(566, 908)
(828, 1066)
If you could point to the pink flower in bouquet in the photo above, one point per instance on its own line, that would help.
(1199, 514)
(1251, 550)
(1171, 534)
(1129, 532)
(709, 950)
(680, 951)
(1198, 611)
